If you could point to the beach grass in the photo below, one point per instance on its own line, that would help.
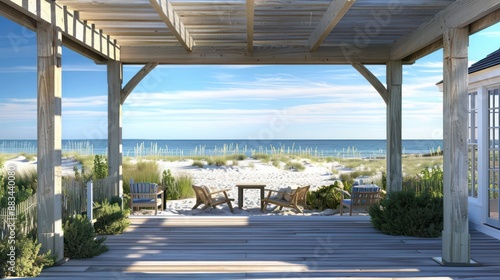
(413, 164)
(147, 169)
(184, 184)
(142, 171)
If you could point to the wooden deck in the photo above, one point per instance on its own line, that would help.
(287, 247)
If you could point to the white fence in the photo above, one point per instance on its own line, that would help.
(74, 201)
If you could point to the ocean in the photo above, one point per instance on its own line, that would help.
(321, 148)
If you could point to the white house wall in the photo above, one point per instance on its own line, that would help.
(481, 82)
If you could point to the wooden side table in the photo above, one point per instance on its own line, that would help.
(243, 186)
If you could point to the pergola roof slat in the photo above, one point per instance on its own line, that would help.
(308, 31)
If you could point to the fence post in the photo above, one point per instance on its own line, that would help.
(89, 200)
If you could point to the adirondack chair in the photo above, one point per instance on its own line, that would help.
(145, 195)
(360, 197)
(211, 198)
(293, 199)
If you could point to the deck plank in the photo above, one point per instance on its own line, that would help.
(212, 247)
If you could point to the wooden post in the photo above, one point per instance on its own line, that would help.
(90, 200)
(394, 124)
(49, 203)
(456, 240)
(115, 126)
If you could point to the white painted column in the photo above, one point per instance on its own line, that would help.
(49, 135)
(115, 126)
(483, 151)
(394, 126)
(456, 240)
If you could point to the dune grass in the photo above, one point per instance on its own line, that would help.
(415, 164)
(184, 184)
(142, 171)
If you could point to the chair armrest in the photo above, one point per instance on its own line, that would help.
(345, 193)
(269, 190)
(159, 192)
(219, 191)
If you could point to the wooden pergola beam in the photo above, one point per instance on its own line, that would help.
(260, 55)
(460, 13)
(332, 16)
(250, 23)
(129, 87)
(173, 21)
(381, 89)
(84, 37)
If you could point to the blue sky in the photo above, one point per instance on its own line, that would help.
(224, 102)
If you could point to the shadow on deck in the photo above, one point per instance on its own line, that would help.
(216, 247)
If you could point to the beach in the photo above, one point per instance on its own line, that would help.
(273, 174)
(315, 174)
(247, 172)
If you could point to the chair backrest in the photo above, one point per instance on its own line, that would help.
(201, 194)
(365, 194)
(300, 194)
(143, 187)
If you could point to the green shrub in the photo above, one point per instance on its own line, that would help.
(326, 197)
(347, 178)
(25, 185)
(116, 200)
(110, 219)
(28, 260)
(409, 214)
(429, 179)
(20, 195)
(178, 187)
(1, 181)
(80, 239)
(198, 163)
(168, 183)
(100, 168)
(239, 157)
(295, 166)
(262, 157)
(220, 161)
(210, 161)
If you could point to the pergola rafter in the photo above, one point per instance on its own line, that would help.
(332, 16)
(250, 22)
(460, 13)
(173, 21)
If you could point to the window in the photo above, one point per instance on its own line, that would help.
(472, 144)
(493, 152)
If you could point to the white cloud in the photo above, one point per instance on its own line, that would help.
(19, 69)
(65, 68)
(491, 34)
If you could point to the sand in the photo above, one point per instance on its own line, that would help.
(227, 177)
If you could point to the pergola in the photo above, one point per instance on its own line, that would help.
(152, 32)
